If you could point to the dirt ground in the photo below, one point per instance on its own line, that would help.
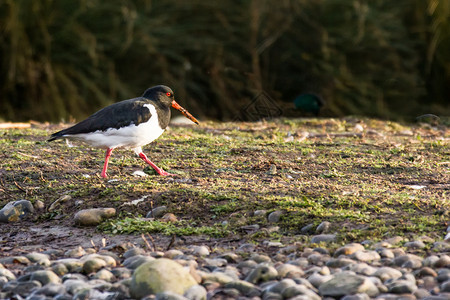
(371, 179)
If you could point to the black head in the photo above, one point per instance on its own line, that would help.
(160, 93)
(163, 96)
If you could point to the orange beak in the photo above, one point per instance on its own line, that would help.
(184, 112)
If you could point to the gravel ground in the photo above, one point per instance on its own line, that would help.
(391, 269)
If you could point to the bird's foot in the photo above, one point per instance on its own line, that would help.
(164, 173)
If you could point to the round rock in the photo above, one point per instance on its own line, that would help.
(347, 284)
(327, 238)
(15, 210)
(93, 216)
(274, 216)
(157, 212)
(158, 276)
(45, 277)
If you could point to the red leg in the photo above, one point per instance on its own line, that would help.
(105, 166)
(158, 170)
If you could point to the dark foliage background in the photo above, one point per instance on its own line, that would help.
(63, 59)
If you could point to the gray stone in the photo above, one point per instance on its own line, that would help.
(51, 289)
(93, 216)
(442, 262)
(385, 273)
(445, 287)
(105, 275)
(307, 229)
(135, 261)
(289, 271)
(366, 256)
(362, 269)
(39, 258)
(173, 253)
(200, 251)
(430, 260)
(16, 210)
(278, 286)
(349, 249)
(441, 246)
(93, 294)
(45, 277)
(157, 212)
(262, 273)
(340, 262)
(160, 275)
(327, 238)
(299, 290)
(74, 276)
(411, 259)
(318, 259)
(215, 262)
(218, 277)
(62, 267)
(260, 213)
(356, 297)
(133, 252)
(385, 253)
(73, 286)
(169, 296)
(323, 227)
(76, 252)
(443, 275)
(415, 245)
(22, 288)
(346, 284)
(421, 293)
(244, 287)
(7, 274)
(93, 265)
(402, 287)
(196, 292)
(121, 273)
(317, 280)
(275, 216)
(272, 296)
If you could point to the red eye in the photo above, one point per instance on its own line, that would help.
(168, 94)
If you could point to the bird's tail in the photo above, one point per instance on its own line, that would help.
(56, 135)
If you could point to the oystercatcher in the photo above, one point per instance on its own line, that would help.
(128, 124)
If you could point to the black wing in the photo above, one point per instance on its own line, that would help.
(117, 115)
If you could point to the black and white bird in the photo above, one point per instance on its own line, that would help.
(129, 124)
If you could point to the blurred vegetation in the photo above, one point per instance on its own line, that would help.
(62, 59)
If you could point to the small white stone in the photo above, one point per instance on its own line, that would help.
(139, 173)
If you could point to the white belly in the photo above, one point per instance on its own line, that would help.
(128, 137)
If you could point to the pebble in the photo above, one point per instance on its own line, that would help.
(328, 238)
(415, 245)
(347, 284)
(93, 216)
(160, 275)
(323, 227)
(366, 255)
(348, 249)
(356, 271)
(275, 216)
(157, 212)
(15, 211)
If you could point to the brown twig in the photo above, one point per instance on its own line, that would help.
(20, 188)
(146, 242)
(172, 241)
